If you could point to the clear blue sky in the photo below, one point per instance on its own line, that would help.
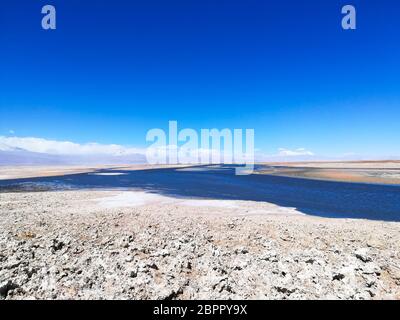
(114, 69)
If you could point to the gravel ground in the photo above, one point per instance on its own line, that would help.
(79, 245)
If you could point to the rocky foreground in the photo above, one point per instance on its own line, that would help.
(63, 245)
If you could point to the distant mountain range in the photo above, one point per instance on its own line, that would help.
(37, 151)
(19, 156)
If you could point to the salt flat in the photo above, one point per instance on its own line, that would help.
(70, 245)
(380, 172)
(168, 233)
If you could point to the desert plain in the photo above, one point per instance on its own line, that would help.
(140, 232)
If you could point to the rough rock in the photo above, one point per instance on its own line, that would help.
(62, 245)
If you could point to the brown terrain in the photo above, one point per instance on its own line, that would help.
(381, 172)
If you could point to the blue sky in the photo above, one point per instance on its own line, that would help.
(114, 69)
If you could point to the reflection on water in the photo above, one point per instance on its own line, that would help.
(108, 173)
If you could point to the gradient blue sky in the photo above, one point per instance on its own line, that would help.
(114, 69)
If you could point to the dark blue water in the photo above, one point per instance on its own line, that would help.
(312, 197)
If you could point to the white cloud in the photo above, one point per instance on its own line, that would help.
(294, 153)
(64, 147)
(54, 147)
(286, 155)
(11, 131)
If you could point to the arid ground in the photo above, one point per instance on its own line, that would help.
(130, 233)
(381, 172)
